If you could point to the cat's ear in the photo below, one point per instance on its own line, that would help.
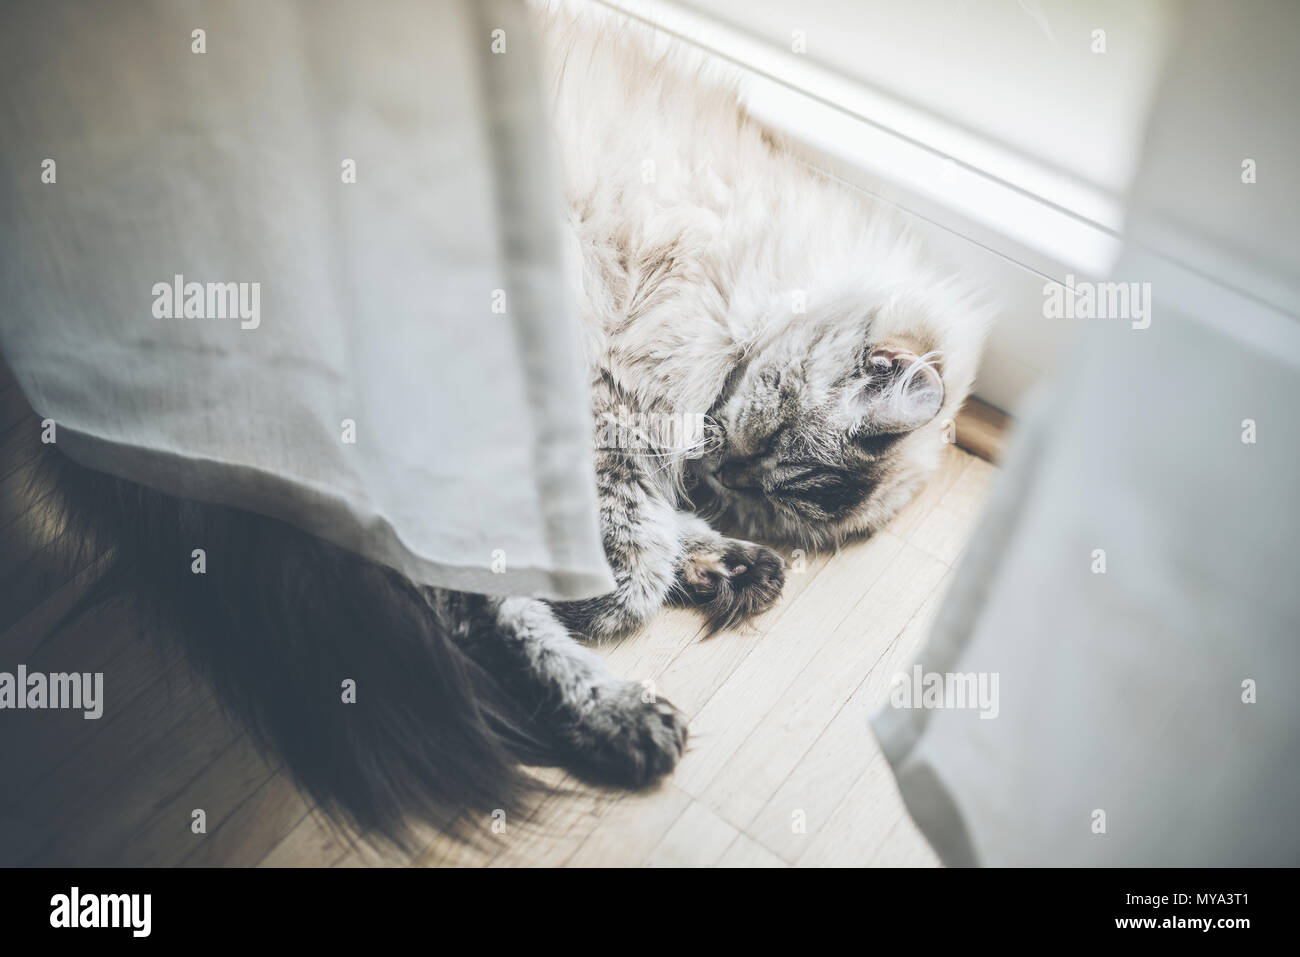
(900, 390)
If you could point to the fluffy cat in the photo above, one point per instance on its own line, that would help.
(716, 273)
(693, 238)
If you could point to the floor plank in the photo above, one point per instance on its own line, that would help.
(844, 752)
(755, 770)
(698, 838)
(747, 852)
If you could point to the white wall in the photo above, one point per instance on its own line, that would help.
(994, 127)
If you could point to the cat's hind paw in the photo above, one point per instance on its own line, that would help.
(628, 736)
(732, 581)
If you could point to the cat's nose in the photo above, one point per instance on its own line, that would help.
(740, 474)
(892, 360)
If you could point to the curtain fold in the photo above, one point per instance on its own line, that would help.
(1132, 583)
(302, 258)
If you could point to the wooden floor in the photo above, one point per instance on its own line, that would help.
(782, 768)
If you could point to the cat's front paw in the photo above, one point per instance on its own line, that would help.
(628, 736)
(732, 581)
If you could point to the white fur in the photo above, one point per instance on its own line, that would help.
(684, 279)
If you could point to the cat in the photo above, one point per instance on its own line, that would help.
(716, 272)
(715, 275)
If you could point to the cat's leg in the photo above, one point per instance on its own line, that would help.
(659, 554)
(642, 538)
(608, 727)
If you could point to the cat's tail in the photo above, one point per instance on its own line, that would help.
(341, 667)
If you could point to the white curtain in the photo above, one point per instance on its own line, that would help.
(404, 377)
(1147, 713)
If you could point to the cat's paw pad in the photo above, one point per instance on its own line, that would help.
(629, 736)
(733, 581)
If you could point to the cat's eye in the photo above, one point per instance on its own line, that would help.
(875, 443)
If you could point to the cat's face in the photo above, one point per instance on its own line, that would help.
(815, 447)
